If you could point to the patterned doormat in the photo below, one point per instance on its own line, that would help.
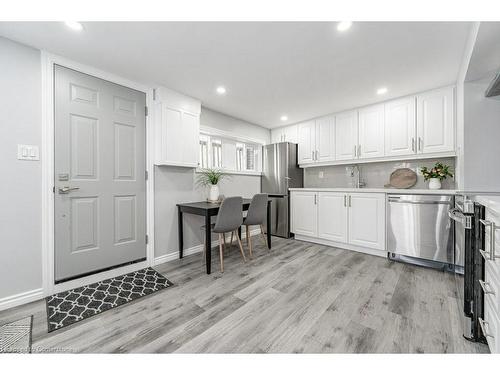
(77, 304)
(15, 337)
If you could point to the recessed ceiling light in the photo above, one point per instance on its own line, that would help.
(344, 25)
(221, 90)
(382, 91)
(77, 26)
(284, 118)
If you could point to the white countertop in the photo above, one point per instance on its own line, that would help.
(381, 190)
(490, 201)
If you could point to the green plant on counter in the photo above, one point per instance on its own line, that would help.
(210, 176)
(439, 170)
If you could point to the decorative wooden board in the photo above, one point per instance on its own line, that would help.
(402, 178)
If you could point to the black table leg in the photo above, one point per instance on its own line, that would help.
(181, 237)
(239, 232)
(269, 224)
(208, 242)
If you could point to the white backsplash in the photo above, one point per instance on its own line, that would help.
(375, 175)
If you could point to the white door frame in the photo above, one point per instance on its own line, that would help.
(47, 160)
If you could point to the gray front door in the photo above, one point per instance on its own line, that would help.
(100, 187)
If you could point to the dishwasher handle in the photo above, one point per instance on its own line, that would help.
(399, 200)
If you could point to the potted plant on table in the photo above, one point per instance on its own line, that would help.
(436, 174)
(211, 177)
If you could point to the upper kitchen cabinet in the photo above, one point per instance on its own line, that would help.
(435, 121)
(284, 134)
(307, 141)
(325, 139)
(371, 132)
(346, 135)
(400, 127)
(316, 140)
(177, 129)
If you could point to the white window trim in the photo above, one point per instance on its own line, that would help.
(220, 134)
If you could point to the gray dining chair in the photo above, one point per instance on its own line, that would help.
(229, 219)
(257, 215)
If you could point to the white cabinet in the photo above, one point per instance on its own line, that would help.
(371, 132)
(305, 213)
(356, 219)
(367, 220)
(346, 135)
(284, 134)
(316, 140)
(177, 129)
(307, 142)
(325, 139)
(400, 127)
(491, 283)
(435, 121)
(332, 216)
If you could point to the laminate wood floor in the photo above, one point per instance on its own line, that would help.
(296, 298)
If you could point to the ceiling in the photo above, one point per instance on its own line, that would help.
(299, 69)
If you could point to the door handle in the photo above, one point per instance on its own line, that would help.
(345, 200)
(316, 155)
(67, 189)
(312, 155)
(355, 149)
(420, 141)
(359, 150)
(349, 201)
(492, 225)
(413, 144)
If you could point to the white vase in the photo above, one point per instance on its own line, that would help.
(213, 194)
(434, 183)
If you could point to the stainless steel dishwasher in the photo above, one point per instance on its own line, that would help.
(419, 229)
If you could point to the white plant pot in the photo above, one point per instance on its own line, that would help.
(434, 183)
(213, 194)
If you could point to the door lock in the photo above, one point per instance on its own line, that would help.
(67, 189)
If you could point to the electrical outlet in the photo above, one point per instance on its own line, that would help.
(28, 152)
(321, 174)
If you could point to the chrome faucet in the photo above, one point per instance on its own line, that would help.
(356, 174)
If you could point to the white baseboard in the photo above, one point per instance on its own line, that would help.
(340, 245)
(193, 250)
(20, 299)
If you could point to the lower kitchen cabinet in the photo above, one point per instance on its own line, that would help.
(332, 216)
(367, 220)
(305, 213)
(354, 219)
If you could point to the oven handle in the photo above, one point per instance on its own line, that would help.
(396, 200)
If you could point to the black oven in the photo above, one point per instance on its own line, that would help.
(469, 264)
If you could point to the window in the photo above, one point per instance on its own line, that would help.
(203, 152)
(239, 157)
(216, 153)
(250, 158)
(229, 154)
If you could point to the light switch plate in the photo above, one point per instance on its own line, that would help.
(28, 152)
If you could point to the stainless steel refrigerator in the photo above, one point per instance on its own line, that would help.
(280, 171)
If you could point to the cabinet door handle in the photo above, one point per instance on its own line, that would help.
(355, 148)
(345, 200)
(312, 155)
(413, 144)
(349, 201)
(483, 325)
(315, 199)
(316, 155)
(492, 227)
(359, 150)
(486, 287)
(420, 143)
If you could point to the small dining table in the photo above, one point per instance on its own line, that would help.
(207, 210)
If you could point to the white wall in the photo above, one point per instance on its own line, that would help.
(481, 138)
(176, 185)
(20, 188)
